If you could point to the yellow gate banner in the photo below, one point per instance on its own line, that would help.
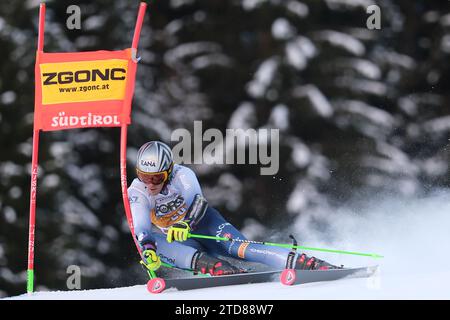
(83, 81)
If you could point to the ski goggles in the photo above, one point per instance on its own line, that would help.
(152, 178)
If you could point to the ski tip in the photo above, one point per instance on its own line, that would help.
(288, 277)
(156, 285)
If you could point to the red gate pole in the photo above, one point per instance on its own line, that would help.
(34, 170)
(31, 231)
(124, 129)
(138, 27)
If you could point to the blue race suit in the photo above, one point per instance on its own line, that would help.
(153, 215)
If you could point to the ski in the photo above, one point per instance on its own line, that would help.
(302, 276)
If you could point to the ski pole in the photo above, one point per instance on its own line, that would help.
(283, 245)
(155, 284)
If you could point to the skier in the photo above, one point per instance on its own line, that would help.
(169, 197)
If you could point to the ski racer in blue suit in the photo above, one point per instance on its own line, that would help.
(167, 203)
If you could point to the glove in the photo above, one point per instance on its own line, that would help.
(151, 260)
(178, 232)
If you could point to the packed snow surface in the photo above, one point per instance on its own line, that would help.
(413, 236)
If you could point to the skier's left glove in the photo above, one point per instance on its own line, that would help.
(178, 232)
(151, 260)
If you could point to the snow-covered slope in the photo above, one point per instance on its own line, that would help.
(413, 236)
(420, 285)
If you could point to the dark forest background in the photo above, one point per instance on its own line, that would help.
(360, 112)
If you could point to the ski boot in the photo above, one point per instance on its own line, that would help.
(214, 266)
(312, 263)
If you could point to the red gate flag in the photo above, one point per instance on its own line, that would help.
(82, 90)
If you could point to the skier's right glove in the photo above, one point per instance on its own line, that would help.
(151, 261)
